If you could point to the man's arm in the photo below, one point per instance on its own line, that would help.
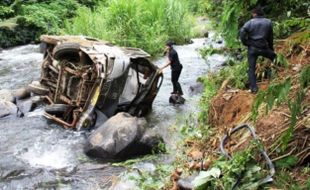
(270, 37)
(244, 33)
(166, 65)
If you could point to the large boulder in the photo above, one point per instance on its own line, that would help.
(116, 137)
(7, 109)
(7, 95)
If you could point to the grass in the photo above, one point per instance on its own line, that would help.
(137, 23)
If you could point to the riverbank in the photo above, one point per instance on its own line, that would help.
(279, 113)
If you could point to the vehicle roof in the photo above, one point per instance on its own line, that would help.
(94, 46)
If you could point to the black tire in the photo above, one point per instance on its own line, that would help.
(40, 90)
(69, 51)
(56, 109)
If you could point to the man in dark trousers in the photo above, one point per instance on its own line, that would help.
(176, 68)
(257, 34)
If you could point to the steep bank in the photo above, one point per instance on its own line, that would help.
(280, 114)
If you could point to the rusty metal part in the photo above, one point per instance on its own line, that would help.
(69, 70)
(65, 99)
(58, 85)
(48, 99)
(52, 68)
(62, 122)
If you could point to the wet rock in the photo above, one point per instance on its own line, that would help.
(117, 138)
(21, 93)
(10, 168)
(196, 88)
(7, 95)
(186, 183)
(7, 109)
(26, 106)
(176, 99)
(219, 41)
(125, 185)
(149, 142)
(206, 34)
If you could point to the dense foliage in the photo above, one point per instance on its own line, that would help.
(31, 19)
(137, 23)
(229, 15)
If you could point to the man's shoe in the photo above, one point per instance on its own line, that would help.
(254, 90)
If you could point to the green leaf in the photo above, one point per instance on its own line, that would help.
(205, 176)
(287, 162)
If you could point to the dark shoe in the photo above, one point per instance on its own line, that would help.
(254, 90)
(173, 92)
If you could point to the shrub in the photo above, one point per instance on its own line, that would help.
(34, 18)
(5, 12)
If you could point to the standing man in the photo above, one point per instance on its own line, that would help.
(257, 34)
(176, 68)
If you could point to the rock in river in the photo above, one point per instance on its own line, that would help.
(21, 93)
(120, 137)
(196, 88)
(7, 109)
(149, 141)
(176, 99)
(25, 106)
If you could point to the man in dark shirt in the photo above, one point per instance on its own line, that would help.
(257, 34)
(176, 68)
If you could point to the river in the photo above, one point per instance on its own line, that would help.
(35, 154)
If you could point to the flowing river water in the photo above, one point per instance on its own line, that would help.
(35, 154)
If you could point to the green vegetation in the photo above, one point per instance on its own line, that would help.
(31, 19)
(138, 23)
(229, 15)
(153, 180)
(284, 180)
(275, 94)
(225, 173)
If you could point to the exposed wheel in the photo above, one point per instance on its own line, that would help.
(56, 109)
(38, 89)
(69, 51)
